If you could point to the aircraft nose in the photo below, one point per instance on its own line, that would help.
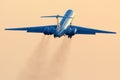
(70, 10)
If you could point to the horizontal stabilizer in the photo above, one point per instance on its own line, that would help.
(55, 16)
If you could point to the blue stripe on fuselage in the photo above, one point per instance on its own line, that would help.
(65, 22)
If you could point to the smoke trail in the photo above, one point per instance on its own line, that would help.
(37, 63)
(59, 59)
(42, 68)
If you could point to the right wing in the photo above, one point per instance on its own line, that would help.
(50, 29)
(84, 30)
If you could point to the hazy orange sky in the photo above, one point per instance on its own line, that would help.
(30, 56)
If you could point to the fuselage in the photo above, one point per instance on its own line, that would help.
(65, 22)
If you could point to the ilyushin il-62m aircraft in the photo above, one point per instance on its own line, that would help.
(64, 27)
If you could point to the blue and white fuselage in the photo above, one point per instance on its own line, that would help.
(65, 22)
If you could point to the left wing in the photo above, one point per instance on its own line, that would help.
(83, 30)
(50, 29)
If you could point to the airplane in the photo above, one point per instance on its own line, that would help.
(64, 27)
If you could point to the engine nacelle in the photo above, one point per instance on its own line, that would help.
(47, 31)
(71, 32)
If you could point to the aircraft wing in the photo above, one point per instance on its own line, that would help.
(50, 29)
(84, 30)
